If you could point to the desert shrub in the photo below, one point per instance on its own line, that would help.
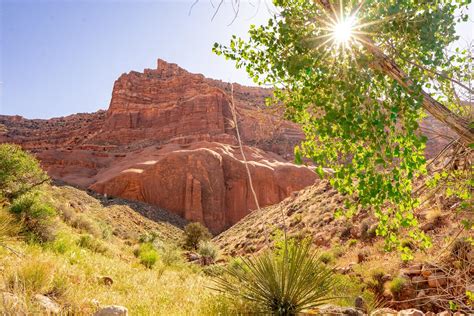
(352, 242)
(37, 217)
(376, 281)
(89, 242)
(19, 171)
(346, 232)
(63, 243)
(338, 251)
(67, 214)
(37, 276)
(208, 250)
(280, 285)
(170, 255)
(60, 285)
(106, 231)
(85, 224)
(194, 233)
(147, 255)
(372, 231)
(396, 286)
(326, 257)
(148, 237)
(409, 244)
(33, 276)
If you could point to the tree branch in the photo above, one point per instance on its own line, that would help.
(458, 124)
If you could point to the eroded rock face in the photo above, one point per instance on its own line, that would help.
(168, 139)
(205, 182)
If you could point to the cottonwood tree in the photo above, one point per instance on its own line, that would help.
(20, 172)
(358, 76)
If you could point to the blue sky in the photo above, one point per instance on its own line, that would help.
(62, 57)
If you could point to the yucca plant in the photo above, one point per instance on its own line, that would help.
(280, 283)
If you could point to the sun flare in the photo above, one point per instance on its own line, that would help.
(343, 30)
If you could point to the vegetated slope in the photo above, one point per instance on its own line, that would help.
(127, 219)
(311, 213)
(353, 247)
(92, 261)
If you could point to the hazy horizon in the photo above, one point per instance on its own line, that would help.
(62, 57)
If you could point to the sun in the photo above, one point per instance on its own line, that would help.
(343, 30)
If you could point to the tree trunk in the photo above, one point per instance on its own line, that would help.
(455, 122)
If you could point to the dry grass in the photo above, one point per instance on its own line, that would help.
(69, 269)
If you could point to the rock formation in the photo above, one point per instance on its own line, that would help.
(168, 139)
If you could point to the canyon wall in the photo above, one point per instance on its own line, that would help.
(168, 139)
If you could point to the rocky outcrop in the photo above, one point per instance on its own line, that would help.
(199, 182)
(168, 139)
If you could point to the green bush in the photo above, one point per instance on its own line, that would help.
(396, 286)
(148, 237)
(170, 255)
(63, 243)
(208, 250)
(352, 242)
(147, 255)
(194, 233)
(19, 172)
(38, 218)
(89, 242)
(326, 258)
(213, 270)
(280, 285)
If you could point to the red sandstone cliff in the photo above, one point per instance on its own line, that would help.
(168, 139)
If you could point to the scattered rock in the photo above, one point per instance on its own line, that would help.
(106, 280)
(47, 304)
(414, 269)
(192, 256)
(419, 281)
(112, 310)
(360, 304)
(362, 256)
(411, 312)
(421, 294)
(437, 280)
